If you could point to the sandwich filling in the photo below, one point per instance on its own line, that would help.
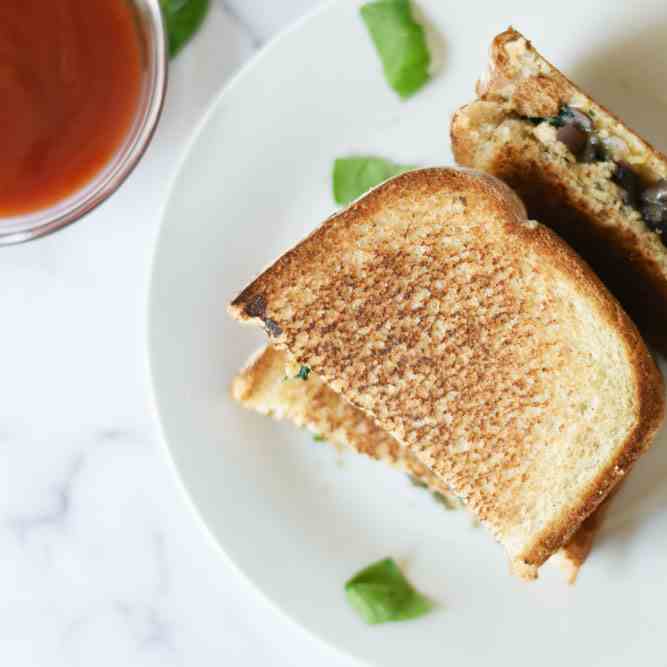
(577, 131)
(578, 169)
(614, 168)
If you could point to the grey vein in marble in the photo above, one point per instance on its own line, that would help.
(161, 564)
(249, 29)
(23, 526)
(145, 624)
(143, 617)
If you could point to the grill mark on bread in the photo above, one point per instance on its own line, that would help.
(272, 328)
(256, 307)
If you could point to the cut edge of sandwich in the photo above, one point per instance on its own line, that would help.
(507, 132)
(265, 302)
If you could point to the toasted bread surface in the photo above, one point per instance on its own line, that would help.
(477, 339)
(580, 201)
(264, 386)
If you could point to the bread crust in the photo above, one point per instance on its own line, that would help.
(560, 87)
(635, 273)
(264, 302)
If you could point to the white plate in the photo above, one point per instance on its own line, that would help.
(296, 517)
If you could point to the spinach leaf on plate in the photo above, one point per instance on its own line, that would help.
(381, 593)
(354, 176)
(182, 20)
(400, 42)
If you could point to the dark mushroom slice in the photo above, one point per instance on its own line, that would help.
(594, 151)
(579, 118)
(628, 181)
(576, 132)
(654, 216)
(654, 208)
(574, 137)
(656, 194)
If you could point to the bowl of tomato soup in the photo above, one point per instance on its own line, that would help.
(82, 84)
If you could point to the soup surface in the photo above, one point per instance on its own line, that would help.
(70, 84)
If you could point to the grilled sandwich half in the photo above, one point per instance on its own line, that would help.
(270, 384)
(480, 341)
(578, 169)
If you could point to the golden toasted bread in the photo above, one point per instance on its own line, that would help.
(479, 340)
(570, 179)
(269, 385)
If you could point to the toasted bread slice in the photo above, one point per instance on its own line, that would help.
(479, 340)
(268, 384)
(510, 133)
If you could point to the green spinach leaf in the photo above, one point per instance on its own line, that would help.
(354, 176)
(400, 42)
(381, 593)
(182, 19)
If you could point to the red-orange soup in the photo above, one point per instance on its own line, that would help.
(70, 84)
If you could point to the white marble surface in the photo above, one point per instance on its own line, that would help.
(101, 562)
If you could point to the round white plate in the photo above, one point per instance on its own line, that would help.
(297, 517)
